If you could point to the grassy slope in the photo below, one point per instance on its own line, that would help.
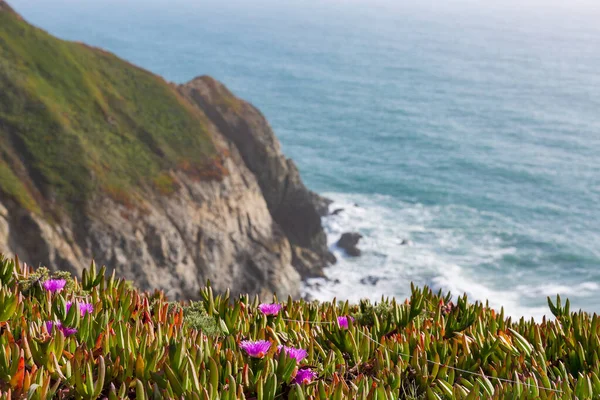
(75, 119)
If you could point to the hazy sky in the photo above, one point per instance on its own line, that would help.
(557, 15)
(541, 5)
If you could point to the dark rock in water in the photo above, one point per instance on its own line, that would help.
(349, 241)
(337, 211)
(405, 242)
(330, 257)
(370, 280)
(336, 281)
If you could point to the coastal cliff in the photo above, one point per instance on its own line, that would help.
(294, 208)
(168, 185)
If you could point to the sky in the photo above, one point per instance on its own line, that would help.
(570, 6)
(557, 13)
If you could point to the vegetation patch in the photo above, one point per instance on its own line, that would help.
(12, 186)
(225, 99)
(99, 337)
(212, 169)
(165, 184)
(81, 119)
(120, 195)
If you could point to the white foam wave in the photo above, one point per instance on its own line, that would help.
(447, 247)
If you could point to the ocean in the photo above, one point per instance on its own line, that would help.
(471, 132)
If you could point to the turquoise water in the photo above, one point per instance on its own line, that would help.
(473, 133)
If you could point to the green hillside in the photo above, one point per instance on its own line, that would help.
(76, 119)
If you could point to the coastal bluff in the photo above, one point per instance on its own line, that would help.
(169, 185)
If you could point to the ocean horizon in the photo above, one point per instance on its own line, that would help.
(469, 134)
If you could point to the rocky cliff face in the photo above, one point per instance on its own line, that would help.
(238, 215)
(294, 208)
(221, 231)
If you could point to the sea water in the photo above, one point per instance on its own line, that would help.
(470, 133)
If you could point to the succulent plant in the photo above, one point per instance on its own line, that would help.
(120, 343)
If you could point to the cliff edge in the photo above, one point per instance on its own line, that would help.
(294, 208)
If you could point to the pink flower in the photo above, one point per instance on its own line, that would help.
(304, 376)
(68, 331)
(54, 285)
(59, 326)
(343, 322)
(50, 324)
(298, 354)
(256, 349)
(84, 308)
(270, 309)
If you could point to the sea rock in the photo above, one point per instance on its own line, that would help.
(349, 241)
(370, 280)
(337, 211)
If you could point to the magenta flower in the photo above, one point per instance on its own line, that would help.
(270, 309)
(59, 326)
(54, 285)
(50, 324)
(84, 308)
(343, 322)
(298, 354)
(257, 349)
(68, 331)
(304, 376)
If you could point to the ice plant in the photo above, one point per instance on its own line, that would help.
(84, 308)
(178, 342)
(59, 326)
(68, 331)
(50, 324)
(54, 285)
(270, 309)
(446, 308)
(298, 354)
(304, 376)
(256, 349)
(343, 322)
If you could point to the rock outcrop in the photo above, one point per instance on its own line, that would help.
(294, 208)
(220, 231)
(217, 198)
(4, 7)
(349, 241)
